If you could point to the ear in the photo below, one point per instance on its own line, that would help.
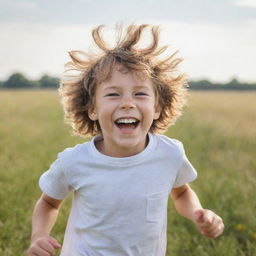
(92, 114)
(157, 113)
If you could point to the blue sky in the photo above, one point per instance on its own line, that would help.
(217, 39)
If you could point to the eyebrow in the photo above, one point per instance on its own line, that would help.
(135, 87)
(141, 87)
(111, 87)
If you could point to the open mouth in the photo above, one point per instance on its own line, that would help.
(127, 123)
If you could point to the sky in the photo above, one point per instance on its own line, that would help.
(216, 38)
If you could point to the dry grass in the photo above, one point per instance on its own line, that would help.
(218, 131)
(229, 112)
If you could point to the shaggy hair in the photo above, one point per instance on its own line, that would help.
(77, 91)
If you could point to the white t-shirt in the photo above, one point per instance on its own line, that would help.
(119, 205)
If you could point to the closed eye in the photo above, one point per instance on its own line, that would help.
(141, 94)
(111, 95)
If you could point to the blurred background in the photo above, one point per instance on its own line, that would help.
(217, 41)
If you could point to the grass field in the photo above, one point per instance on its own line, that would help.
(218, 130)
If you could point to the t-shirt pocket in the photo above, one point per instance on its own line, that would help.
(156, 206)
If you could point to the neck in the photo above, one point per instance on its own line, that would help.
(120, 152)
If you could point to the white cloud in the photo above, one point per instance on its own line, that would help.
(24, 4)
(214, 51)
(210, 51)
(245, 3)
(101, 11)
(35, 49)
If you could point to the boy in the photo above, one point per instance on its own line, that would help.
(122, 178)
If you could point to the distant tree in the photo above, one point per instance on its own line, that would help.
(234, 83)
(201, 85)
(48, 82)
(17, 80)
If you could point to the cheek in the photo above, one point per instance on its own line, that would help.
(149, 105)
(105, 114)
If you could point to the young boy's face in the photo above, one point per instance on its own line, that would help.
(125, 108)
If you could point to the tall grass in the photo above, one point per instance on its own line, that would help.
(217, 129)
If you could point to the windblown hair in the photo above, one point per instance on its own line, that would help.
(77, 91)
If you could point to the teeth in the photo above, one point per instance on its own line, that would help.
(126, 120)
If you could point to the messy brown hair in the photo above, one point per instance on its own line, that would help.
(77, 91)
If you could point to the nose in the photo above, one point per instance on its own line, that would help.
(127, 103)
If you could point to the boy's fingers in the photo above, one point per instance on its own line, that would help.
(46, 246)
(54, 242)
(208, 223)
(204, 217)
(39, 251)
(213, 230)
(208, 229)
(218, 229)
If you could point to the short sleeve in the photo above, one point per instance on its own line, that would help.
(186, 172)
(54, 182)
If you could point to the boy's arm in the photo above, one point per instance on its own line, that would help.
(44, 216)
(188, 205)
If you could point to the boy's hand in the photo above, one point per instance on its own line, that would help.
(208, 223)
(43, 246)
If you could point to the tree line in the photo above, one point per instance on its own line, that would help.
(19, 81)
